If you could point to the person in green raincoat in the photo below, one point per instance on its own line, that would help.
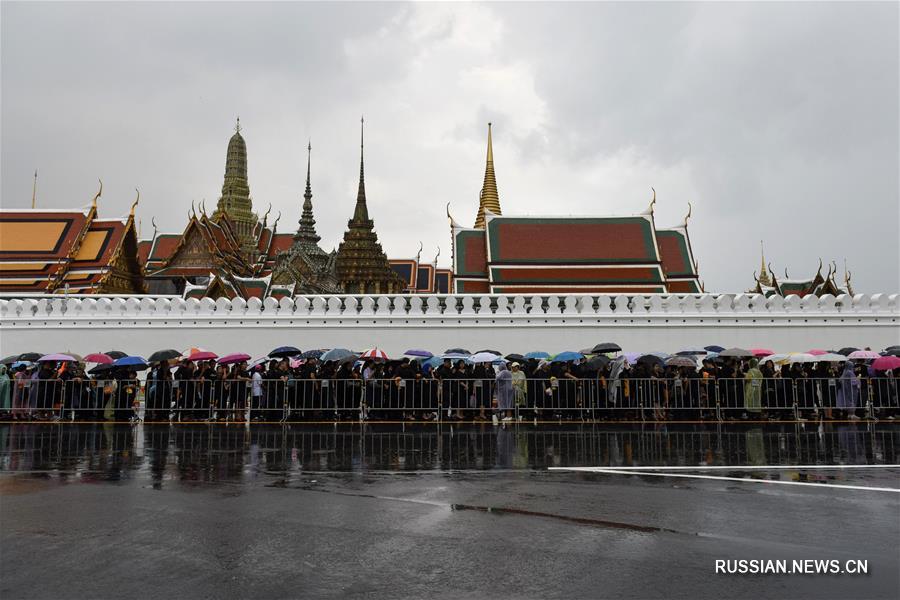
(753, 381)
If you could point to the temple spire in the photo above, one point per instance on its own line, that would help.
(489, 199)
(34, 190)
(763, 274)
(235, 200)
(361, 213)
(306, 234)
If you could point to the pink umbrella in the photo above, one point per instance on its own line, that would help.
(230, 359)
(760, 352)
(863, 355)
(295, 362)
(817, 352)
(886, 363)
(56, 358)
(202, 355)
(374, 353)
(100, 359)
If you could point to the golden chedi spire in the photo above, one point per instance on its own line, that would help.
(763, 274)
(490, 199)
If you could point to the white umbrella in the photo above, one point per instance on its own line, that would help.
(483, 357)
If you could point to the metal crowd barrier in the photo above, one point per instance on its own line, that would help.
(537, 398)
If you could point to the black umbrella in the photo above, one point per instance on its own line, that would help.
(596, 363)
(312, 354)
(100, 369)
(606, 347)
(491, 351)
(9, 360)
(847, 351)
(161, 355)
(283, 351)
(30, 356)
(515, 358)
(456, 351)
(736, 353)
(116, 354)
(713, 348)
(892, 351)
(650, 360)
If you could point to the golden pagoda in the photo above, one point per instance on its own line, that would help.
(489, 198)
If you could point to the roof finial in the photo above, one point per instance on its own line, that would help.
(436, 256)
(419, 253)
(34, 189)
(237, 125)
(135, 203)
(688, 215)
(361, 212)
(763, 274)
(453, 222)
(649, 211)
(97, 195)
(153, 222)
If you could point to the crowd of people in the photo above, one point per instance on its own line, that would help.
(450, 387)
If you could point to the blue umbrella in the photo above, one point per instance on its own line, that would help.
(538, 355)
(422, 353)
(283, 351)
(135, 362)
(312, 354)
(336, 354)
(21, 363)
(714, 348)
(567, 356)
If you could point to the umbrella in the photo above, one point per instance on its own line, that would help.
(597, 363)
(259, 361)
(283, 351)
(863, 355)
(650, 360)
(56, 358)
(829, 357)
(892, 352)
(817, 352)
(457, 351)
(681, 361)
(99, 358)
(100, 369)
(237, 357)
(567, 356)
(886, 363)
(161, 355)
(294, 363)
(800, 357)
(491, 352)
(736, 353)
(605, 347)
(30, 356)
(21, 363)
(135, 362)
(115, 354)
(483, 357)
(537, 354)
(199, 354)
(892, 349)
(632, 357)
(455, 357)
(778, 359)
(10, 359)
(714, 348)
(515, 358)
(759, 352)
(336, 354)
(692, 351)
(374, 353)
(312, 354)
(422, 353)
(847, 351)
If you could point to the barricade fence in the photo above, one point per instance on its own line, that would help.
(536, 398)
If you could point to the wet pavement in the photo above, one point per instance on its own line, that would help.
(228, 511)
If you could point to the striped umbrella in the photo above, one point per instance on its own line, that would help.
(375, 354)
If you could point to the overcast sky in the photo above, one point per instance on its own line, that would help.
(777, 121)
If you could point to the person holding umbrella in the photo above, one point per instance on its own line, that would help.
(753, 380)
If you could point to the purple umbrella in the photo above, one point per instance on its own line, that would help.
(56, 358)
(237, 357)
(422, 353)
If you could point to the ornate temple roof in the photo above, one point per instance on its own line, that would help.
(46, 250)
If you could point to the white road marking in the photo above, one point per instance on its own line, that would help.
(722, 478)
(729, 467)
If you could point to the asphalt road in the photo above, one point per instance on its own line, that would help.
(208, 512)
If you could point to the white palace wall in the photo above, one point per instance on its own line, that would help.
(143, 324)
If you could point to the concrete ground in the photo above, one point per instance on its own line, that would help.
(196, 511)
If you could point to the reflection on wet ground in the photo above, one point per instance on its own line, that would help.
(160, 453)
